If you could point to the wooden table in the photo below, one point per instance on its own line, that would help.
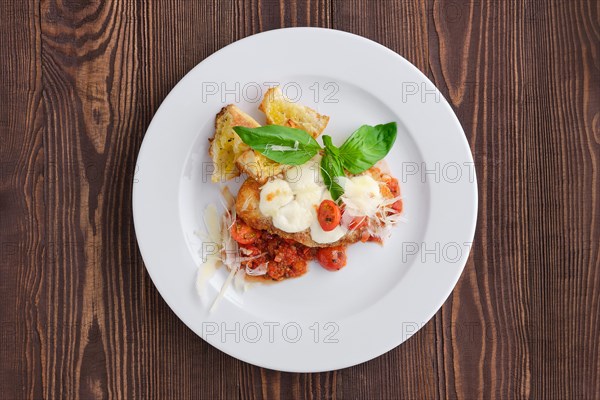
(80, 81)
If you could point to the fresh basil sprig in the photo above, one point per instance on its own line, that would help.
(331, 168)
(291, 146)
(282, 144)
(366, 146)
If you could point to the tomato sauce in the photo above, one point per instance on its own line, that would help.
(286, 258)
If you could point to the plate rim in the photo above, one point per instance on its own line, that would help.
(142, 153)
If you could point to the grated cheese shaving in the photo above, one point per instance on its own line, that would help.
(258, 271)
(276, 147)
(223, 289)
(206, 271)
(229, 198)
(211, 221)
(239, 280)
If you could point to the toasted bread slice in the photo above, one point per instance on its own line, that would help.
(247, 208)
(259, 167)
(226, 146)
(281, 111)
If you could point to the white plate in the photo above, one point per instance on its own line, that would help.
(322, 320)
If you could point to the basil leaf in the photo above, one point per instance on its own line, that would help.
(366, 146)
(281, 144)
(330, 146)
(331, 167)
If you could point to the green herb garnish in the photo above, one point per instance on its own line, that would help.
(291, 146)
(284, 145)
(366, 146)
(331, 168)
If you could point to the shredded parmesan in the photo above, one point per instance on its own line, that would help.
(276, 147)
(385, 217)
(211, 221)
(239, 280)
(206, 271)
(230, 254)
(378, 212)
(258, 271)
(246, 203)
(223, 289)
(229, 247)
(229, 198)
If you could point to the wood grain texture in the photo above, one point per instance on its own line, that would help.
(79, 316)
(22, 201)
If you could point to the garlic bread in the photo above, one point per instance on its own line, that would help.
(281, 111)
(226, 146)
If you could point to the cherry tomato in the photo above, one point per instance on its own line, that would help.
(332, 258)
(242, 233)
(329, 215)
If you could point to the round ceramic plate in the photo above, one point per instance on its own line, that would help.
(322, 320)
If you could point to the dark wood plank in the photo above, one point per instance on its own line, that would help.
(22, 208)
(563, 278)
(256, 16)
(400, 25)
(107, 66)
(79, 317)
(521, 79)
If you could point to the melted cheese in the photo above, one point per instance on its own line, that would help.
(293, 218)
(274, 195)
(320, 236)
(306, 176)
(361, 194)
(293, 202)
(310, 199)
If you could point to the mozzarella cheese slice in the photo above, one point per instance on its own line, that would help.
(320, 236)
(293, 218)
(310, 198)
(306, 176)
(274, 195)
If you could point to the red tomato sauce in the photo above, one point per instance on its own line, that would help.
(286, 258)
